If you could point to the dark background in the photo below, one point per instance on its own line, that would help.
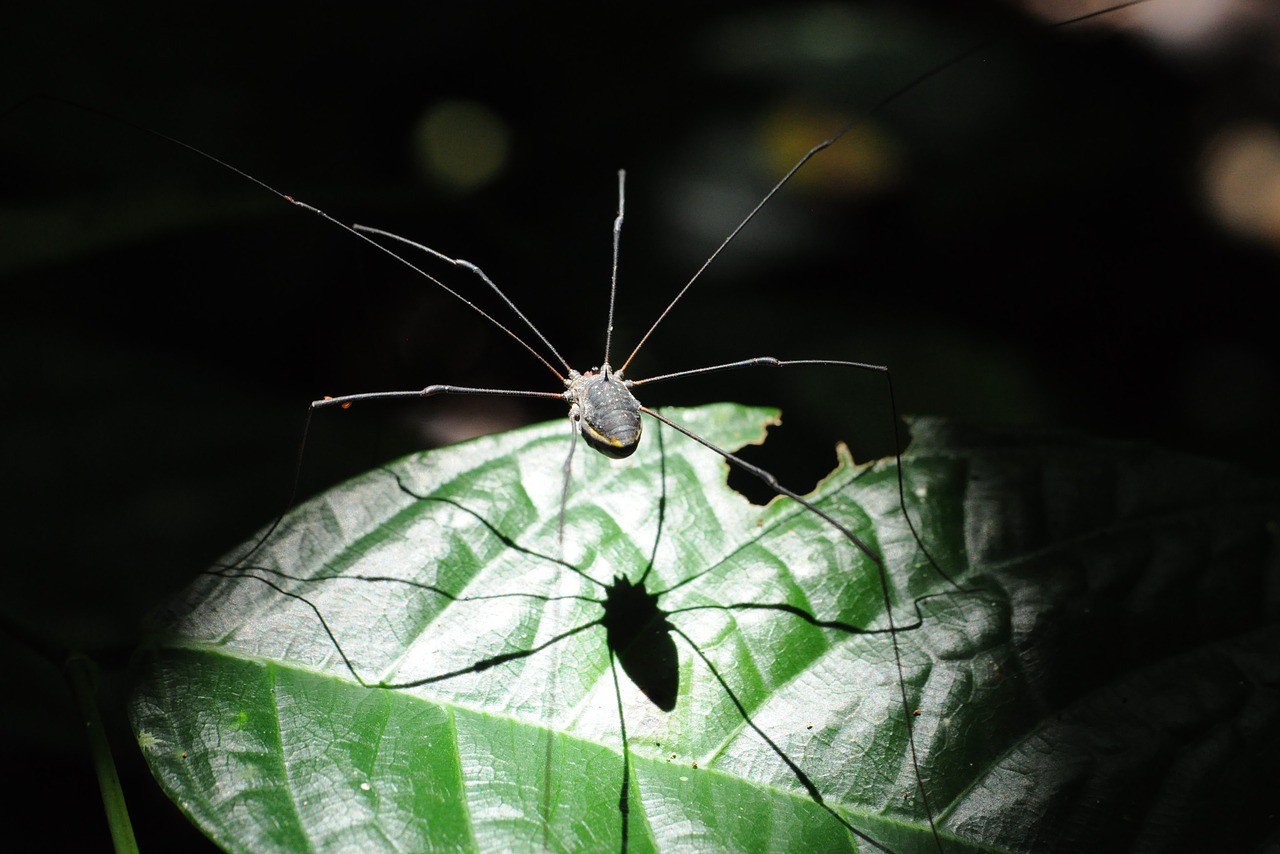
(1022, 239)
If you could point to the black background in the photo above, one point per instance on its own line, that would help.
(1040, 254)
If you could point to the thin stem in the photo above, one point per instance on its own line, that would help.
(81, 674)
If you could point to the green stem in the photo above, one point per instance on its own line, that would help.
(80, 672)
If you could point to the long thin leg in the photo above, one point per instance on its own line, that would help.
(430, 391)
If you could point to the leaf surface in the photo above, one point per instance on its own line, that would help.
(442, 574)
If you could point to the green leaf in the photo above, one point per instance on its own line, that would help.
(449, 563)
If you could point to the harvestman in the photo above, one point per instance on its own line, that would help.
(603, 408)
(602, 405)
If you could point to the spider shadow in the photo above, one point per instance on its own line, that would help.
(640, 635)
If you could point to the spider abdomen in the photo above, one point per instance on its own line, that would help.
(609, 414)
